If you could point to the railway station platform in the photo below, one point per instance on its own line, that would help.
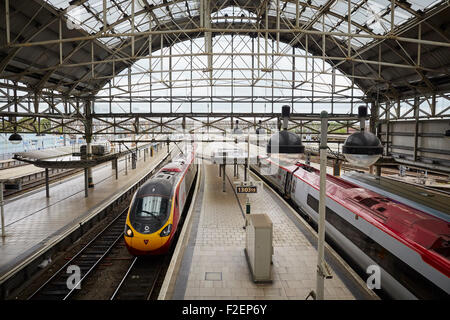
(10, 163)
(34, 223)
(209, 261)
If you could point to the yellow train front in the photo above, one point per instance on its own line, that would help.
(156, 207)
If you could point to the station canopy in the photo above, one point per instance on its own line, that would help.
(405, 53)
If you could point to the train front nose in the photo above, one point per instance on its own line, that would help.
(150, 212)
(145, 244)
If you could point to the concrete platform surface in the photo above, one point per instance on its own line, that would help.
(214, 265)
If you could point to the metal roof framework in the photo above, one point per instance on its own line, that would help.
(61, 59)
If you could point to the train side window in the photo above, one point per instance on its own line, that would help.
(312, 202)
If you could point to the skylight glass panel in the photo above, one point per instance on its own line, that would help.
(361, 16)
(233, 14)
(422, 4)
(308, 14)
(290, 8)
(153, 2)
(340, 7)
(319, 3)
(177, 11)
(60, 4)
(401, 16)
(377, 6)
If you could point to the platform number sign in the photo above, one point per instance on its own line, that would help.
(246, 189)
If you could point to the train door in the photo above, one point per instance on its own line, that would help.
(289, 186)
(176, 212)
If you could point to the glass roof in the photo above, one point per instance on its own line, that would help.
(368, 16)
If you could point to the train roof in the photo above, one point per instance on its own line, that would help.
(418, 229)
(426, 234)
(427, 200)
(160, 185)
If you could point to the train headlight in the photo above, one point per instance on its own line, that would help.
(166, 231)
(128, 231)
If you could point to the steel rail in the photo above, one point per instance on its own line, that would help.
(107, 251)
(123, 279)
(145, 269)
(80, 252)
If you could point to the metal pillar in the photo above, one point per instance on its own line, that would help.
(2, 209)
(245, 169)
(247, 164)
(224, 174)
(126, 165)
(378, 171)
(89, 156)
(116, 166)
(88, 134)
(86, 182)
(416, 127)
(224, 187)
(336, 168)
(47, 187)
(322, 269)
(133, 160)
(236, 170)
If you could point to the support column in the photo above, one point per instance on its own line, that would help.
(88, 134)
(116, 167)
(224, 174)
(126, 165)
(47, 187)
(374, 115)
(336, 168)
(322, 270)
(224, 188)
(86, 182)
(245, 169)
(416, 127)
(2, 209)
(133, 160)
(378, 171)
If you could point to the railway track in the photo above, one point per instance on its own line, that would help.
(62, 286)
(140, 280)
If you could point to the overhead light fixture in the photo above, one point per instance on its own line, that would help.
(284, 142)
(362, 148)
(236, 129)
(15, 138)
(260, 129)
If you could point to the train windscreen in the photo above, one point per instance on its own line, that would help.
(149, 213)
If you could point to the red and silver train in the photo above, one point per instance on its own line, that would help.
(410, 246)
(157, 206)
